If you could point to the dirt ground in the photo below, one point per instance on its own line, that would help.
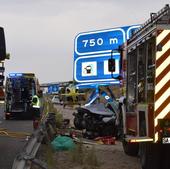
(93, 156)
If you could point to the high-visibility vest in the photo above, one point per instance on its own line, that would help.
(36, 102)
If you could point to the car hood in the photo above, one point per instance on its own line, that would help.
(97, 109)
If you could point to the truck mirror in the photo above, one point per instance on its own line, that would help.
(2, 45)
(111, 65)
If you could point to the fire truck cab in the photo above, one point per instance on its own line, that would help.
(146, 107)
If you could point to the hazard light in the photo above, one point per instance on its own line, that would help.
(15, 74)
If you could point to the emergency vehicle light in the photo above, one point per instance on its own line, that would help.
(15, 74)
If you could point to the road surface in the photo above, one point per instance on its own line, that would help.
(10, 147)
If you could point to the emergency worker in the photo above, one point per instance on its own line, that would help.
(36, 110)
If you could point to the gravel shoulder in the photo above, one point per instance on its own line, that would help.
(106, 156)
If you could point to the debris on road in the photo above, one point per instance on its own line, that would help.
(14, 134)
(63, 143)
(109, 140)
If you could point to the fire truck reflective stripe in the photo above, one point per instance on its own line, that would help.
(162, 66)
(162, 106)
(163, 113)
(162, 85)
(164, 49)
(156, 137)
(162, 90)
(164, 72)
(36, 106)
(167, 116)
(162, 35)
(157, 128)
(162, 82)
(165, 40)
(163, 57)
(162, 99)
(159, 32)
(141, 140)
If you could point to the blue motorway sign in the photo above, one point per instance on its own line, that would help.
(92, 51)
(53, 88)
(102, 41)
(95, 68)
(99, 42)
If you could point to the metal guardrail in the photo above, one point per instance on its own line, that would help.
(28, 155)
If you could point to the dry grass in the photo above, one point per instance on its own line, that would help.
(49, 107)
(49, 156)
(46, 154)
(80, 157)
(91, 158)
(84, 156)
(77, 154)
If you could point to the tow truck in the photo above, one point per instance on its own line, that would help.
(145, 109)
(19, 89)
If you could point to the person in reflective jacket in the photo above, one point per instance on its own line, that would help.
(36, 107)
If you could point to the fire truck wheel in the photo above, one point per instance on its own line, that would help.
(149, 155)
(130, 149)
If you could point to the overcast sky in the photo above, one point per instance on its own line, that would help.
(40, 33)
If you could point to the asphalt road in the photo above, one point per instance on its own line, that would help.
(10, 147)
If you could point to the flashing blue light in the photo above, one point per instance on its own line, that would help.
(15, 74)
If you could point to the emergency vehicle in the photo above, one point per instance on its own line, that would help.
(145, 111)
(19, 90)
(72, 96)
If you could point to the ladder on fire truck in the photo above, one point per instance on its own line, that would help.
(161, 17)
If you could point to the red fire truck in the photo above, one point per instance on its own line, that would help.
(145, 111)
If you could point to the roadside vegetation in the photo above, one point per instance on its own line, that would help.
(49, 107)
(82, 157)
